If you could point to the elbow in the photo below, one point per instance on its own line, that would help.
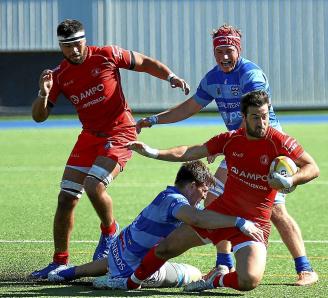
(38, 119)
(316, 172)
(196, 221)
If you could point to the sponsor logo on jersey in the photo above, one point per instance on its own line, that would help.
(76, 99)
(264, 159)
(117, 258)
(229, 105)
(248, 175)
(290, 145)
(68, 83)
(108, 145)
(256, 177)
(239, 155)
(117, 51)
(95, 72)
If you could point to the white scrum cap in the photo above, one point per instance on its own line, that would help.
(73, 37)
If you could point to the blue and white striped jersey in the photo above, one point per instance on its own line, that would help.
(154, 223)
(227, 89)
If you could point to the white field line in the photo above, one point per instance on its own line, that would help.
(96, 241)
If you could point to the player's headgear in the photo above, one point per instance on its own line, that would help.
(227, 36)
(70, 31)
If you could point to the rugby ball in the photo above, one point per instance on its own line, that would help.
(286, 167)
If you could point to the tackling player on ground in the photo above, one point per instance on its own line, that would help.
(249, 192)
(89, 78)
(171, 207)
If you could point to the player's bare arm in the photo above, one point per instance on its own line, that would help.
(157, 69)
(308, 170)
(211, 220)
(40, 110)
(175, 114)
(180, 153)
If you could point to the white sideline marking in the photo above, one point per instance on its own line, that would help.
(96, 241)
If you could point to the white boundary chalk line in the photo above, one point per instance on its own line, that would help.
(96, 241)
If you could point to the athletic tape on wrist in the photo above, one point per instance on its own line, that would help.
(153, 120)
(151, 152)
(239, 222)
(170, 76)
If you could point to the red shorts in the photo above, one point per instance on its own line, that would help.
(215, 236)
(111, 144)
(231, 234)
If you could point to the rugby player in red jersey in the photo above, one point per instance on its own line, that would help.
(249, 193)
(89, 78)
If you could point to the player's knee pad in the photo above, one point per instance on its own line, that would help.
(218, 188)
(72, 188)
(100, 174)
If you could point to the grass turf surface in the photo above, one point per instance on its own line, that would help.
(31, 168)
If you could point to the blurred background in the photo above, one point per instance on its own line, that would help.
(287, 38)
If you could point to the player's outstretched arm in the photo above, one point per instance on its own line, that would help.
(157, 69)
(207, 219)
(180, 153)
(40, 110)
(175, 114)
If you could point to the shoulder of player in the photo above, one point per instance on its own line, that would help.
(212, 72)
(245, 65)
(61, 68)
(276, 136)
(240, 132)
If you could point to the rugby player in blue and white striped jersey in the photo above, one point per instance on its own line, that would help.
(172, 207)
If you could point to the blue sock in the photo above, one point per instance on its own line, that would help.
(224, 259)
(302, 264)
(68, 274)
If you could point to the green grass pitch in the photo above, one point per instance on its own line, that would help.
(32, 161)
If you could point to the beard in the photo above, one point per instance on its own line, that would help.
(258, 132)
(77, 60)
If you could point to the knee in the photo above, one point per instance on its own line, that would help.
(66, 202)
(279, 213)
(164, 251)
(248, 282)
(92, 186)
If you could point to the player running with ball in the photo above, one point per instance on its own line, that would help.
(249, 193)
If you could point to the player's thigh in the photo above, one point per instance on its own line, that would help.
(179, 241)
(108, 164)
(250, 261)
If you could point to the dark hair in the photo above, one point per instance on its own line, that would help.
(256, 98)
(194, 171)
(68, 27)
(225, 28)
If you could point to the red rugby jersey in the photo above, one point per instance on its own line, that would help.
(247, 192)
(94, 87)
